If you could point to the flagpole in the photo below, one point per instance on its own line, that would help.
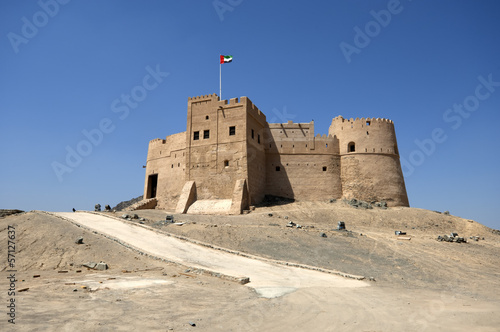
(220, 81)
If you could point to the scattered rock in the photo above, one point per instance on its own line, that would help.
(125, 216)
(359, 204)
(142, 219)
(79, 240)
(135, 216)
(270, 214)
(101, 266)
(192, 324)
(286, 217)
(340, 225)
(400, 233)
(452, 238)
(333, 200)
(322, 234)
(169, 218)
(107, 208)
(97, 208)
(291, 224)
(447, 213)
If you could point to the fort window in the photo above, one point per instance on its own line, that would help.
(179, 165)
(232, 131)
(351, 147)
(324, 168)
(306, 145)
(258, 138)
(196, 135)
(172, 165)
(226, 163)
(326, 145)
(206, 134)
(367, 133)
(367, 123)
(253, 134)
(278, 168)
(207, 117)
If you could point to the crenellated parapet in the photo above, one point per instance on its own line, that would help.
(156, 141)
(212, 96)
(364, 135)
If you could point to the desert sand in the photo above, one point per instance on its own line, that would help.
(414, 283)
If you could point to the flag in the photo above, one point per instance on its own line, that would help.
(226, 58)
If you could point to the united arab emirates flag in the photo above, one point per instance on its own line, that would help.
(226, 58)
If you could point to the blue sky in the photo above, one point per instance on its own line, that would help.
(68, 66)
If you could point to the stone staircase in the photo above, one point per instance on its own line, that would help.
(143, 205)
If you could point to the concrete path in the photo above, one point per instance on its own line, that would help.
(268, 279)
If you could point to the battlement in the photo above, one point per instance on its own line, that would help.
(204, 97)
(363, 121)
(157, 141)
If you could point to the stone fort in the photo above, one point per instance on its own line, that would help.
(229, 158)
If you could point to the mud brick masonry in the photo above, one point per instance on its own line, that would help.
(229, 158)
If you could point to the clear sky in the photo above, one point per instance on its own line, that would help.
(86, 84)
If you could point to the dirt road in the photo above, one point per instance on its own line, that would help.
(269, 280)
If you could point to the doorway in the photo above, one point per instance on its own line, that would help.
(152, 185)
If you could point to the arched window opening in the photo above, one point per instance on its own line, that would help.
(351, 147)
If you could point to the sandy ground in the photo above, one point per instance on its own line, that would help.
(421, 284)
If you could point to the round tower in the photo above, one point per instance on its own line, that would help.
(369, 158)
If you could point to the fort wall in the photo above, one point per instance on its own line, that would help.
(167, 161)
(229, 150)
(369, 155)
